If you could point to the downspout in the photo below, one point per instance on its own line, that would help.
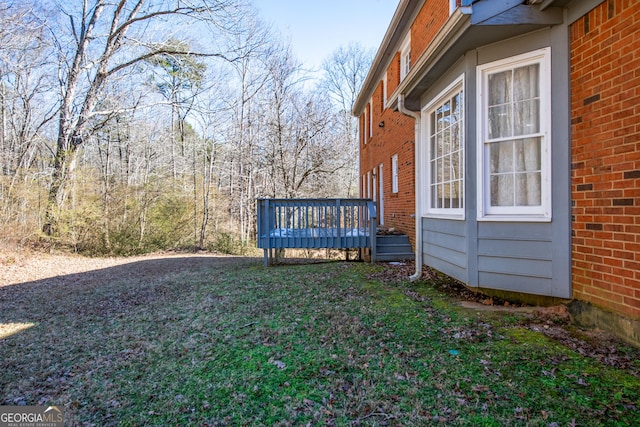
(415, 115)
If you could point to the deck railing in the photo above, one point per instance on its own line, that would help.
(316, 224)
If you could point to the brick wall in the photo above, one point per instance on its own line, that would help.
(605, 124)
(393, 74)
(395, 137)
(430, 19)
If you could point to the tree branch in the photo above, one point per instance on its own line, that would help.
(166, 52)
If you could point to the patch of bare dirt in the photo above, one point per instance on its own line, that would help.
(24, 266)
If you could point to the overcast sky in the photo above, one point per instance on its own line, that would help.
(316, 28)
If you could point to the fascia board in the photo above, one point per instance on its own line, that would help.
(400, 24)
(455, 26)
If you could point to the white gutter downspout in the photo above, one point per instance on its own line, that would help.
(418, 193)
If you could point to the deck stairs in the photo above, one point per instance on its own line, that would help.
(393, 247)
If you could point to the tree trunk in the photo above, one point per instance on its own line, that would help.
(63, 167)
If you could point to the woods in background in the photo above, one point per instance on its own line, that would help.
(135, 126)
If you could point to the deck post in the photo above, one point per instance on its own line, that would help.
(373, 229)
(267, 227)
(338, 222)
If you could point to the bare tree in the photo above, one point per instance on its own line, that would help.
(257, 46)
(178, 78)
(107, 39)
(24, 86)
(344, 73)
(300, 141)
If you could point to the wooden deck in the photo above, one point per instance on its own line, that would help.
(316, 224)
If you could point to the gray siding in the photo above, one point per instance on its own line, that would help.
(515, 257)
(528, 257)
(445, 247)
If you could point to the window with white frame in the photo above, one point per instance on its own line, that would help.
(394, 173)
(364, 127)
(384, 91)
(370, 119)
(445, 132)
(381, 193)
(374, 185)
(405, 57)
(514, 140)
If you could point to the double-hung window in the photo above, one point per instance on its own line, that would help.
(514, 139)
(445, 152)
(384, 91)
(394, 173)
(370, 129)
(405, 57)
(365, 126)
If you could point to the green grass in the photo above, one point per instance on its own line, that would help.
(297, 345)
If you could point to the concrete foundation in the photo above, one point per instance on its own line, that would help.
(587, 315)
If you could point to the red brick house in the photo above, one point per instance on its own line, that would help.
(503, 135)
(386, 159)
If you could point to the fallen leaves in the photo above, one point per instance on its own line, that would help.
(302, 345)
(591, 344)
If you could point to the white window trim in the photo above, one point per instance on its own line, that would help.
(370, 119)
(384, 91)
(394, 174)
(364, 127)
(374, 184)
(368, 185)
(540, 213)
(452, 213)
(405, 49)
(453, 5)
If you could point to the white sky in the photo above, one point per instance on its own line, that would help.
(316, 28)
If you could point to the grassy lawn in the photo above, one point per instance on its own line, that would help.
(323, 344)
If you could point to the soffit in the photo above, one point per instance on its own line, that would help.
(479, 23)
(466, 30)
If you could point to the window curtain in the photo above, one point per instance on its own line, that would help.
(514, 137)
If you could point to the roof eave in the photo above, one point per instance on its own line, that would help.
(454, 28)
(385, 52)
(467, 28)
